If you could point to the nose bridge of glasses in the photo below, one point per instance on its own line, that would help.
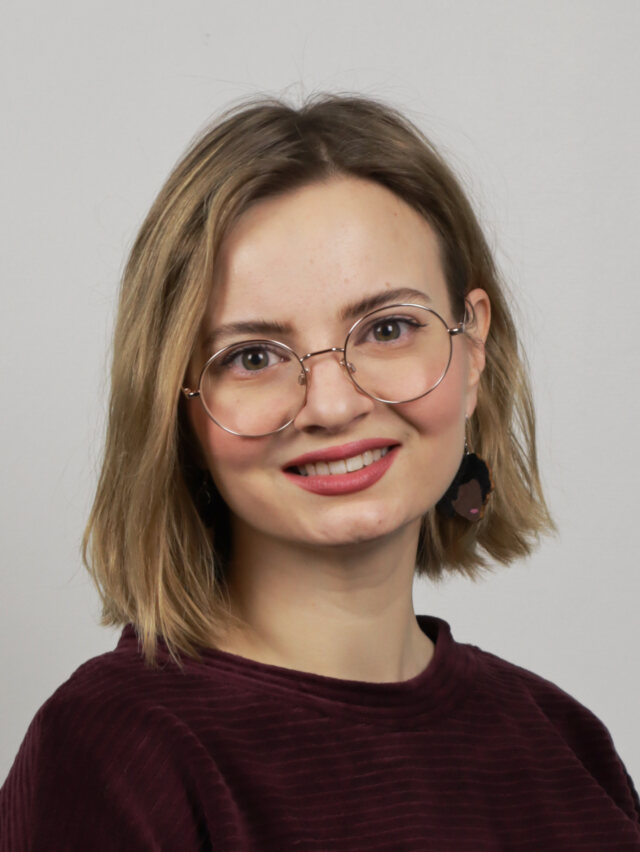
(302, 378)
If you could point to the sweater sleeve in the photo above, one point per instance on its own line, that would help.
(632, 792)
(81, 781)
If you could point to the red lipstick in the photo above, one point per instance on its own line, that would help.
(344, 483)
(344, 451)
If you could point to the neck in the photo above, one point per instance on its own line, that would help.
(340, 611)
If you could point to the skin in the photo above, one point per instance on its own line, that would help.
(322, 583)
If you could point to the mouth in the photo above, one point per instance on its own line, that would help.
(349, 464)
(340, 476)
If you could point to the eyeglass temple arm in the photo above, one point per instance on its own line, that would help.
(469, 319)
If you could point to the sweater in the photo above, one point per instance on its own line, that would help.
(229, 754)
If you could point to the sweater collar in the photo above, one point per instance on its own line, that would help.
(436, 691)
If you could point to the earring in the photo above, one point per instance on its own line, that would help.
(204, 499)
(469, 492)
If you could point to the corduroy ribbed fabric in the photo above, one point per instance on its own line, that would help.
(475, 753)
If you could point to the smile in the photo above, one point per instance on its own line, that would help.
(343, 476)
(347, 465)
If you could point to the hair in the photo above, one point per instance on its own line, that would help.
(154, 561)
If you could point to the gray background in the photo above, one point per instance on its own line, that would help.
(535, 104)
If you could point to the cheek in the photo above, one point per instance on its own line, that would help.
(441, 412)
(439, 421)
(226, 455)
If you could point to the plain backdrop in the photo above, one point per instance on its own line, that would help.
(534, 104)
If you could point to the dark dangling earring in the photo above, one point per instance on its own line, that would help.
(469, 492)
(204, 499)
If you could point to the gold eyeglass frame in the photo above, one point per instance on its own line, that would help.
(460, 328)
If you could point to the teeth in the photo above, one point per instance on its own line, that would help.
(354, 463)
(342, 465)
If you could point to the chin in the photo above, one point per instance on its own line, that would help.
(339, 528)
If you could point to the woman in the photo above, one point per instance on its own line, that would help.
(316, 392)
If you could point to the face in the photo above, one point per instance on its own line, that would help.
(299, 260)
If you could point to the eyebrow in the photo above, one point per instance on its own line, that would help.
(352, 311)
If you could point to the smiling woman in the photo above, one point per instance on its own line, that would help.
(317, 393)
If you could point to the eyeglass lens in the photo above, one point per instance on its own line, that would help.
(395, 354)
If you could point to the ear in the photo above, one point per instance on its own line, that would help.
(477, 330)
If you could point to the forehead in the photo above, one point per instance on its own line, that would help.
(302, 256)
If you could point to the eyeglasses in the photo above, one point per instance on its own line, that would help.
(394, 354)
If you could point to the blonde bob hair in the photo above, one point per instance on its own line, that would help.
(153, 559)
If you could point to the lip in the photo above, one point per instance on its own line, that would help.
(344, 451)
(345, 483)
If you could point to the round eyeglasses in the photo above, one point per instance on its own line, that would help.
(394, 354)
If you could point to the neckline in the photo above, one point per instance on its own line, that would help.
(432, 693)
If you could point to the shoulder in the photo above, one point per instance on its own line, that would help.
(104, 752)
(112, 707)
(92, 715)
(120, 693)
(554, 723)
(96, 689)
(559, 707)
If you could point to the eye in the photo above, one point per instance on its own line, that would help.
(387, 330)
(391, 328)
(253, 359)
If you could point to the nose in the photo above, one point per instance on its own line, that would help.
(332, 399)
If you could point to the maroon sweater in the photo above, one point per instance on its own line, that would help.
(475, 753)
